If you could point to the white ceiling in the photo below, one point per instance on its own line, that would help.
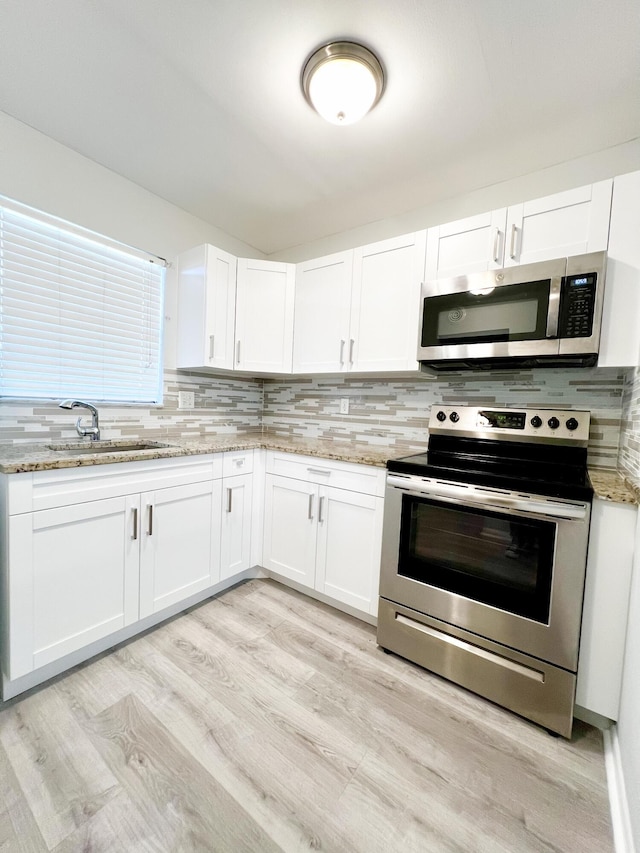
(199, 100)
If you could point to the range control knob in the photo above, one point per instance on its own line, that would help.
(536, 421)
(455, 417)
(554, 423)
(572, 424)
(441, 416)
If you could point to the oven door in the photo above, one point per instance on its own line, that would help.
(507, 566)
(513, 312)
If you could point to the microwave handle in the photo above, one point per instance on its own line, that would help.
(554, 307)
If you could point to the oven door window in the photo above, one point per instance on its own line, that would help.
(491, 557)
(514, 312)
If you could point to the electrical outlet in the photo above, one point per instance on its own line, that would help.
(344, 406)
(186, 400)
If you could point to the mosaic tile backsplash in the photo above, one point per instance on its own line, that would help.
(386, 412)
(396, 412)
(630, 429)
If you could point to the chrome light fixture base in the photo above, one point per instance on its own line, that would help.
(342, 81)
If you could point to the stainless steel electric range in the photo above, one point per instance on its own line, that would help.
(484, 554)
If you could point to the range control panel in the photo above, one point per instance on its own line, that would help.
(557, 426)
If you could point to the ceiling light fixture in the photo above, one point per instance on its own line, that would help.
(342, 81)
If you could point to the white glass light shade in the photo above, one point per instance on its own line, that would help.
(342, 81)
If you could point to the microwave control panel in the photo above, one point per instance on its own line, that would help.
(577, 305)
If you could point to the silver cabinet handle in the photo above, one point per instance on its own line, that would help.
(319, 471)
(351, 346)
(514, 237)
(310, 513)
(135, 523)
(238, 353)
(229, 499)
(211, 340)
(342, 343)
(496, 243)
(150, 525)
(320, 503)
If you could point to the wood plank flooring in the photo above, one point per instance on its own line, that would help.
(265, 721)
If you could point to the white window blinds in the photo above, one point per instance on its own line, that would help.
(79, 317)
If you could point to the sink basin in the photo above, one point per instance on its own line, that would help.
(85, 449)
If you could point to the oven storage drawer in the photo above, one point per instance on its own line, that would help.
(530, 687)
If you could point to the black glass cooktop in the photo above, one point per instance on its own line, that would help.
(533, 468)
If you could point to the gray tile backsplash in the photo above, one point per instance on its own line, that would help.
(395, 412)
(630, 427)
(385, 412)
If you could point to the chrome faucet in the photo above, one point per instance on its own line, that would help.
(94, 430)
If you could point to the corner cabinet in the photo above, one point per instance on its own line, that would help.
(323, 527)
(567, 223)
(357, 311)
(234, 314)
(264, 316)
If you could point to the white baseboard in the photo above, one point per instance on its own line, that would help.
(618, 801)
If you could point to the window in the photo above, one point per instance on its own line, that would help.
(80, 316)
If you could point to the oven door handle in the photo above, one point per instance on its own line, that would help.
(469, 495)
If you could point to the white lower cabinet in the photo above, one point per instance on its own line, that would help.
(325, 537)
(235, 536)
(74, 579)
(179, 543)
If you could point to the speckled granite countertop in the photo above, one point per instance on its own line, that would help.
(17, 458)
(610, 485)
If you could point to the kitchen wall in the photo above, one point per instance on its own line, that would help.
(395, 412)
(630, 426)
(224, 406)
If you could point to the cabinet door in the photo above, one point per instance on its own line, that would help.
(321, 321)
(264, 316)
(349, 543)
(73, 579)
(385, 304)
(475, 244)
(206, 308)
(620, 338)
(180, 543)
(236, 525)
(290, 528)
(559, 225)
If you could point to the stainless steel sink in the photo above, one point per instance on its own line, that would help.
(85, 449)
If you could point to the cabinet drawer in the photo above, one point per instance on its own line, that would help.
(343, 475)
(237, 462)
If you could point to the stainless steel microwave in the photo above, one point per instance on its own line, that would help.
(543, 314)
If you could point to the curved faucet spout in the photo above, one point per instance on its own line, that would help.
(94, 430)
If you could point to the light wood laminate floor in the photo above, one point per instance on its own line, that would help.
(264, 721)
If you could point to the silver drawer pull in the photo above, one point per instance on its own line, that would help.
(320, 504)
(352, 343)
(238, 353)
(342, 343)
(322, 471)
(514, 235)
(474, 650)
(150, 527)
(135, 523)
(211, 340)
(496, 242)
(310, 513)
(229, 499)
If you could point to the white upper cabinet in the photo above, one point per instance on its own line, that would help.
(557, 226)
(620, 338)
(206, 308)
(475, 244)
(322, 313)
(385, 304)
(560, 225)
(264, 316)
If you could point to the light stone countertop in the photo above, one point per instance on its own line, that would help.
(24, 457)
(610, 485)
